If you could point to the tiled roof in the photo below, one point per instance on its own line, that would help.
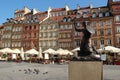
(72, 16)
(45, 12)
(57, 9)
(19, 11)
(56, 18)
(41, 18)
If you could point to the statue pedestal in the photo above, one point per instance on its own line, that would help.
(85, 70)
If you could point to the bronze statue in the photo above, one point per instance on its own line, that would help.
(86, 52)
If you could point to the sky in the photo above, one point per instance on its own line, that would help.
(7, 7)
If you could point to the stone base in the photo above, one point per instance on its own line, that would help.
(85, 70)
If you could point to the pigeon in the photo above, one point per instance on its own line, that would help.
(45, 73)
(25, 71)
(29, 70)
(37, 71)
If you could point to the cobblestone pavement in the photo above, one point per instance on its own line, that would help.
(111, 72)
(34, 71)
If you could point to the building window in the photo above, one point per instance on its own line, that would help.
(61, 27)
(64, 19)
(60, 36)
(66, 36)
(34, 26)
(57, 14)
(77, 33)
(50, 27)
(54, 26)
(63, 35)
(44, 27)
(41, 34)
(95, 33)
(25, 27)
(78, 24)
(53, 34)
(107, 14)
(78, 43)
(109, 32)
(44, 35)
(100, 23)
(85, 15)
(30, 27)
(78, 15)
(118, 29)
(94, 15)
(45, 44)
(66, 26)
(109, 41)
(41, 27)
(69, 19)
(50, 34)
(102, 42)
(100, 14)
(94, 24)
(118, 18)
(70, 26)
(101, 32)
(34, 35)
(95, 41)
(119, 41)
(108, 22)
(69, 35)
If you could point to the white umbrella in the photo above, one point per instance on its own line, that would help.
(32, 51)
(1, 51)
(110, 48)
(68, 52)
(63, 52)
(6, 50)
(16, 51)
(40, 53)
(22, 54)
(60, 50)
(50, 51)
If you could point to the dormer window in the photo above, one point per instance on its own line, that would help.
(64, 19)
(93, 15)
(107, 14)
(100, 14)
(78, 15)
(69, 19)
(85, 15)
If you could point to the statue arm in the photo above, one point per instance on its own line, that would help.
(78, 30)
(94, 49)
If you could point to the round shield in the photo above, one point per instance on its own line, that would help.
(90, 29)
